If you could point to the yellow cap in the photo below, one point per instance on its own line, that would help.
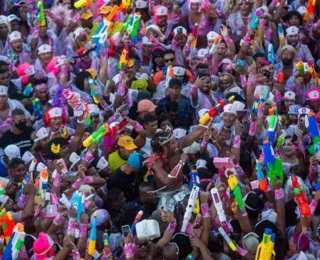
(92, 72)
(105, 9)
(127, 143)
(86, 15)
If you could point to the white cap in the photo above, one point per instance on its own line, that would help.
(302, 10)
(238, 106)
(12, 151)
(77, 32)
(192, 149)
(146, 41)
(179, 71)
(292, 30)
(229, 109)
(93, 108)
(14, 36)
(140, 4)
(13, 17)
(3, 90)
(41, 134)
(30, 71)
(211, 36)
(3, 19)
(179, 132)
(160, 10)
(195, 1)
(55, 112)
(303, 111)
(313, 94)
(289, 95)
(180, 28)
(44, 48)
(202, 112)
(270, 215)
(202, 53)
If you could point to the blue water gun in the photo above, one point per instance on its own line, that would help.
(94, 91)
(312, 126)
(93, 236)
(194, 179)
(272, 124)
(15, 244)
(28, 90)
(273, 165)
(37, 108)
(259, 98)
(77, 201)
(255, 20)
(270, 54)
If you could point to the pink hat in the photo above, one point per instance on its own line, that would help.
(146, 105)
(302, 241)
(42, 247)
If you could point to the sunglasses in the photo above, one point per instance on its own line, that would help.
(171, 60)
(94, 115)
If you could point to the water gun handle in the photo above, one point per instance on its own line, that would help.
(191, 202)
(93, 237)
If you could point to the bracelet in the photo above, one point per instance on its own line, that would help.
(204, 143)
(75, 254)
(22, 201)
(129, 250)
(77, 184)
(205, 210)
(88, 156)
(172, 226)
(190, 230)
(313, 206)
(137, 127)
(88, 180)
(71, 227)
(80, 121)
(279, 194)
(83, 230)
(237, 141)
(57, 220)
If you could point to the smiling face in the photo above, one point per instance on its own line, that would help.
(293, 39)
(288, 148)
(45, 58)
(18, 172)
(17, 45)
(206, 86)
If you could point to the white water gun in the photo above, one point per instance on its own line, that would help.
(191, 203)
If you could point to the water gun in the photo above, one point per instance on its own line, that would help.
(2, 188)
(41, 17)
(137, 219)
(124, 57)
(132, 25)
(226, 237)
(263, 185)
(195, 35)
(265, 250)
(312, 127)
(215, 44)
(280, 77)
(234, 186)
(105, 28)
(213, 112)
(7, 224)
(258, 99)
(82, 3)
(280, 141)
(219, 207)
(300, 68)
(310, 9)
(27, 90)
(312, 70)
(191, 203)
(272, 124)
(169, 75)
(43, 184)
(281, 35)
(195, 181)
(272, 164)
(96, 136)
(106, 249)
(125, 5)
(255, 20)
(93, 235)
(270, 54)
(93, 91)
(15, 244)
(37, 108)
(300, 197)
(77, 202)
(63, 132)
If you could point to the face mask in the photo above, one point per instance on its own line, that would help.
(21, 125)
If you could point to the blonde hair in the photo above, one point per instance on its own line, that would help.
(290, 49)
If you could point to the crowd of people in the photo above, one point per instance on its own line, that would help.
(159, 129)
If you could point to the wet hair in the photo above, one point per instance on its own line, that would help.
(149, 117)
(164, 117)
(14, 163)
(79, 81)
(161, 138)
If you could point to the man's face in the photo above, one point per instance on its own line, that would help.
(146, 50)
(151, 127)
(15, 26)
(228, 119)
(42, 94)
(206, 87)
(169, 59)
(3, 31)
(45, 57)
(286, 57)
(125, 153)
(293, 39)
(174, 92)
(43, 31)
(20, 121)
(17, 45)
(222, 49)
(5, 78)
(147, 195)
(55, 123)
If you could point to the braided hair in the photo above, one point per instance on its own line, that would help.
(161, 138)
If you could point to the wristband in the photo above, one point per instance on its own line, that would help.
(75, 255)
(88, 156)
(105, 107)
(22, 201)
(194, 90)
(129, 250)
(260, 110)
(121, 91)
(243, 81)
(57, 181)
(77, 184)
(189, 230)
(88, 180)
(35, 33)
(241, 251)
(253, 128)
(172, 226)
(205, 210)
(80, 121)
(57, 220)
(137, 127)
(104, 53)
(71, 227)
(204, 143)
(114, 118)
(313, 206)
(237, 142)
(83, 230)
(228, 40)
(239, 170)
(278, 194)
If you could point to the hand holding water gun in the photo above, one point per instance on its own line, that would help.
(77, 202)
(219, 207)
(300, 197)
(281, 34)
(37, 108)
(28, 90)
(43, 184)
(310, 10)
(258, 99)
(265, 250)
(272, 124)
(271, 54)
(213, 112)
(215, 44)
(263, 184)
(93, 235)
(195, 181)
(41, 17)
(15, 244)
(124, 58)
(255, 20)
(82, 3)
(132, 24)
(96, 136)
(137, 219)
(313, 130)
(191, 203)
(93, 91)
(7, 224)
(236, 191)
(225, 236)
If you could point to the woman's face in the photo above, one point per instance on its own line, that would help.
(23, 12)
(228, 119)
(45, 58)
(165, 123)
(225, 82)
(4, 31)
(288, 147)
(222, 49)
(64, 152)
(18, 173)
(181, 40)
(147, 50)
(42, 94)
(289, 102)
(159, 61)
(245, 7)
(55, 123)
(294, 21)
(17, 45)
(15, 26)
(194, 7)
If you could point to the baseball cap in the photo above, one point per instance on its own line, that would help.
(135, 160)
(289, 95)
(13, 17)
(146, 105)
(105, 9)
(175, 82)
(12, 151)
(250, 242)
(86, 15)
(143, 94)
(127, 143)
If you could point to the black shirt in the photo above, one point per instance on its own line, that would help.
(23, 141)
(128, 184)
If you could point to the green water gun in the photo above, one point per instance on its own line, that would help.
(41, 17)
